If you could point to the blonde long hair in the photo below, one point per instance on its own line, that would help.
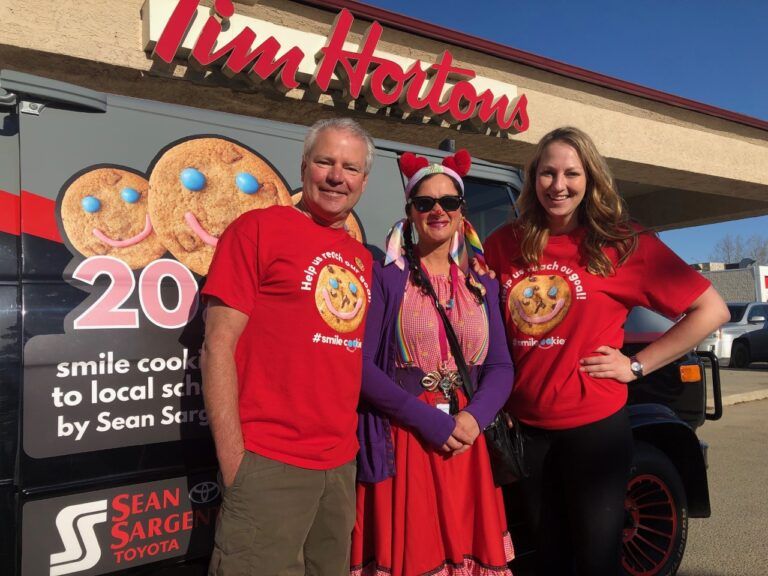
(602, 212)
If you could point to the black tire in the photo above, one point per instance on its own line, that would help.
(656, 510)
(740, 357)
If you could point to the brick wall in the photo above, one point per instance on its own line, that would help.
(734, 285)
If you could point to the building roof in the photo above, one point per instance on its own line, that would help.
(457, 38)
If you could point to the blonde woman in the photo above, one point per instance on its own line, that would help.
(571, 268)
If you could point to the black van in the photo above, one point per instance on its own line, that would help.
(106, 462)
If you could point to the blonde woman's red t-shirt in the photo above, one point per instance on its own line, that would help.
(299, 360)
(559, 313)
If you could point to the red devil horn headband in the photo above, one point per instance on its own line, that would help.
(416, 168)
(410, 164)
(460, 162)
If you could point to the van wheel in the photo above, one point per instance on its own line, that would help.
(656, 516)
(740, 355)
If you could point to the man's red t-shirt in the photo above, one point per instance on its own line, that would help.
(559, 313)
(306, 291)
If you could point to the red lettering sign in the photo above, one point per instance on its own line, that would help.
(132, 526)
(449, 93)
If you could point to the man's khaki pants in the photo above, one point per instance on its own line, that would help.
(277, 519)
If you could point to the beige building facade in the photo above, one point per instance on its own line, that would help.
(677, 162)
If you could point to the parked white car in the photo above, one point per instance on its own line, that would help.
(745, 317)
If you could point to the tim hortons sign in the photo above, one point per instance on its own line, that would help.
(261, 50)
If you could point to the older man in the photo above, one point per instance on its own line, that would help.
(287, 295)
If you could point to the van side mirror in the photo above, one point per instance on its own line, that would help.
(756, 320)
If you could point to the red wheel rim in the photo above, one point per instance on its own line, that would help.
(651, 524)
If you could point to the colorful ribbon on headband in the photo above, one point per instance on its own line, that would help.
(394, 245)
(458, 251)
(470, 234)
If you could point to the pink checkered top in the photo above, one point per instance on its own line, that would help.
(418, 325)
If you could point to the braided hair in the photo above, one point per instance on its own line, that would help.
(414, 262)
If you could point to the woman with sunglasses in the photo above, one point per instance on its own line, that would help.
(571, 268)
(426, 501)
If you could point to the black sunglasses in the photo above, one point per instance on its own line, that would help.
(427, 203)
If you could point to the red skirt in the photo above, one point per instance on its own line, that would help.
(438, 515)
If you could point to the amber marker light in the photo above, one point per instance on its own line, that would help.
(690, 373)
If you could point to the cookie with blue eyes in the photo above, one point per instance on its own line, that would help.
(199, 186)
(104, 212)
(538, 303)
(340, 298)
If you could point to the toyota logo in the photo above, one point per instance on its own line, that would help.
(204, 492)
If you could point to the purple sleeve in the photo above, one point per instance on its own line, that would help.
(379, 390)
(497, 373)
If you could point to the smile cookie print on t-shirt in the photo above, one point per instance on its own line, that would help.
(539, 303)
(340, 297)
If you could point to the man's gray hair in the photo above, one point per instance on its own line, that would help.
(348, 125)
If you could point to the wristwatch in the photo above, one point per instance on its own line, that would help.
(636, 366)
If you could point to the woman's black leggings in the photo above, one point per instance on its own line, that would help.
(575, 495)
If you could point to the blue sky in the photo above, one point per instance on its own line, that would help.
(711, 51)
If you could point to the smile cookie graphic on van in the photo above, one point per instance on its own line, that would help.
(198, 187)
(538, 303)
(340, 298)
(104, 212)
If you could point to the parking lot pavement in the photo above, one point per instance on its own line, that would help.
(744, 384)
(732, 541)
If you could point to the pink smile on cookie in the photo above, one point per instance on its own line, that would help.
(540, 319)
(192, 222)
(124, 243)
(341, 315)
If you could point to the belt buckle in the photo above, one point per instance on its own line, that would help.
(445, 380)
(431, 380)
